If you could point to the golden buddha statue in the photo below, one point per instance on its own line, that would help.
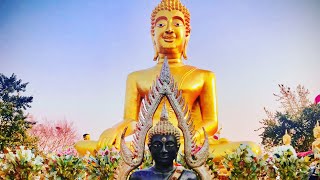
(285, 147)
(85, 145)
(170, 32)
(316, 143)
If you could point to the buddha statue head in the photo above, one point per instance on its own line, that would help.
(316, 131)
(86, 136)
(164, 141)
(170, 29)
(286, 139)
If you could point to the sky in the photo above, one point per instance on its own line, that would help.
(76, 55)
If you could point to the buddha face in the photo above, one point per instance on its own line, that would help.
(86, 137)
(169, 33)
(163, 149)
(286, 140)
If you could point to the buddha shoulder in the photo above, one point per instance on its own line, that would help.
(205, 73)
(184, 70)
(188, 175)
(141, 175)
(147, 174)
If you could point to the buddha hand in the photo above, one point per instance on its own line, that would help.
(112, 136)
(109, 137)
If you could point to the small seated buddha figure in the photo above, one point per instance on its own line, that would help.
(316, 143)
(286, 141)
(86, 145)
(163, 143)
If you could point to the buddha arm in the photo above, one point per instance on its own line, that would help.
(132, 99)
(208, 104)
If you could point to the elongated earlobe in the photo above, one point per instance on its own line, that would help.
(184, 52)
(156, 53)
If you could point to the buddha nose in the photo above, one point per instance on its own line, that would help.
(169, 29)
(164, 150)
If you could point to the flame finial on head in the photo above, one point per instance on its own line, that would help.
(164, 114)
(164, 127)
(165, 71)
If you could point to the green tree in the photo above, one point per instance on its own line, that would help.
(13, 123)
(298, 115)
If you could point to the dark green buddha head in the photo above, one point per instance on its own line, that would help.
(164, 140)
(164, 149)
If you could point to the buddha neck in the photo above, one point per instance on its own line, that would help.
(163, 168)
(171, 62)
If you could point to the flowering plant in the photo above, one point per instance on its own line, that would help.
(103, 164)
(287, 165)
(65, 166)
(317, 169)
(21, 164)
(147, 162)
(212, 166)
(244, 164)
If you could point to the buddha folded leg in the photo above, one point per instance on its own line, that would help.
(222, 147)
(85, 146)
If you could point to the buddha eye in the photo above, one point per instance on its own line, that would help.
(170, 144)
(160, 25)
(156, 145)
(178, 24)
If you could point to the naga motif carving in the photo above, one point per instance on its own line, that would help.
(164, 86)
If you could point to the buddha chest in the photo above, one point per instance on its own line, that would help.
(188, 78)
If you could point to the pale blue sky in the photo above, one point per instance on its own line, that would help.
(77, 54)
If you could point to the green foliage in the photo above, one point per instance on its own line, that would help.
(65, 167)
(103, 165)
(301, 129)
(244, 164)
(317, 169)
(288, 166)
(213, 166)
(21, 164)
(147, 162)
(13, 124)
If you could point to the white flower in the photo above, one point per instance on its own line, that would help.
(38, 161)
(6, 167)
(27, 155)
(36, 178)
(247, 159)
(283, 150)
(243, 146)
(11, 157)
